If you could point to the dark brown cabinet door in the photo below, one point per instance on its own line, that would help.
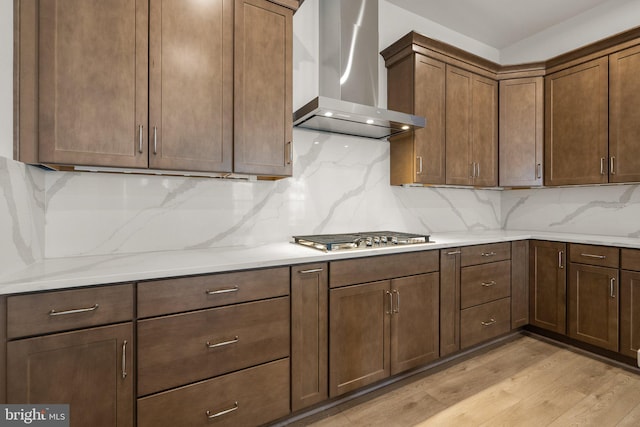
(415, 321)
(359, 333)
(449, 301)
(191, 85)
(548, 285)
(593, 305)
(629, 313)
(263, 120)
(624, 116)
(519, 284)
(484, 131)
(93, 59)
(459, 167)
(92, 370)
(521, 131)
(418, 157)
(309, 335)
(576, 124)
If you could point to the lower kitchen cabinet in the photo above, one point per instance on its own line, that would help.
(449, 301)
(629, 311)
(484, 321)
(382, 328)
(548, 285)
(309, 335)
(249, 397)
(92, 370)
(519, 283)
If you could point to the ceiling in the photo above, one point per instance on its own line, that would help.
(498, 23)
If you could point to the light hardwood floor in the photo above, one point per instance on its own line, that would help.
(525, 382)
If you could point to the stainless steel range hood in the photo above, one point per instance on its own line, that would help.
(348, 76)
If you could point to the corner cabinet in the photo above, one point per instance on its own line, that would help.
(630, 302)
(156, 84)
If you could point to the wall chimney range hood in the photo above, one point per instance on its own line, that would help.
(348, 76)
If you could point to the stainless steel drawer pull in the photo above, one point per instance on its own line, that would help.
(313, 270)
(390, 302)
(602, 161)
(222, 291)
(594, 256)
(397, 310)
(539, 170)
(560, 263)
(489, 323)
(488, 253)
(124, 359)
(612, 169)
(420, 164)
(454, 253)
(155, 140)
(489, 284)
(223, 343)
(221, 413)
(76, 311)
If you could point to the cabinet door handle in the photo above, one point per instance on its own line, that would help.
(478, 172)
(602, 162)
(222, 291)
(223, 343)
(289, 155)
(155, 140)
(454, 253)
(397, 309)
(560, 263)
(612, 287)
(390, 302)
(489, 284)
(221, 413)
(124, 359)
(473, 170)
(539, 170)
(140, 138)
(488, 254)
(489, 323)
(419, 158)
(612, 165)
(53, 312)
(313, 270)
(594, 256)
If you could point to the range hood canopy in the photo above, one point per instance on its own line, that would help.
(348, 83)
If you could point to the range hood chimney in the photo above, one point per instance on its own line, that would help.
(348, 74)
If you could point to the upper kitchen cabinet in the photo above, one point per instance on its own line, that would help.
(624, 115)
(521, 131)
(576, 124)
(471, 129)
(458, 94)
(160, 84)
(416, 85)
(263, 131)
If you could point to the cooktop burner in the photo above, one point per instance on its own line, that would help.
(361, 240)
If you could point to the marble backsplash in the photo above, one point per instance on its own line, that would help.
(340, 184)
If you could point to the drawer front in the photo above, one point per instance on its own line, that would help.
(484, 283)
(603, 256)
(630, 259)
(179, 349)
(161, 297)
(482, 254)
(484, 322)
(36, 314)
(250, 397)
(375, 268)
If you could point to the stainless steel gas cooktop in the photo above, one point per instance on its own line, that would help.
(362, 240)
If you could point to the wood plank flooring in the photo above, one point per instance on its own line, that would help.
(525, 382)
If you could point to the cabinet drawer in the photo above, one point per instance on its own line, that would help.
(603, 256)
(484, 283)
(484, 322)
(630, 259)
(47, 312)
(250, 397)
(183, 348)
(192, 293)
(375, 268)
(482, 254)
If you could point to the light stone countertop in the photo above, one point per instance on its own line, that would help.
(62, 273)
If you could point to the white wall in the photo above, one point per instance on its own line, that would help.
(609, 18)
(6, 78)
